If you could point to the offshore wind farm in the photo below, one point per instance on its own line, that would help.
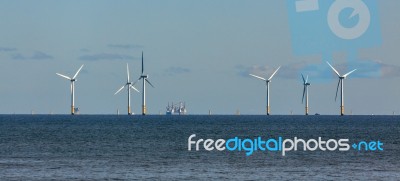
(144, 77)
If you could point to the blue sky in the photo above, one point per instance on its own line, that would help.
(199, 52)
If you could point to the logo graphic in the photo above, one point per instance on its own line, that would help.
(324, 27)
(349, 33)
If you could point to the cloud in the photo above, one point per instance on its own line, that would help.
(369, 69)
(125, 46)
(105, 56)
(18, 56)
(7, 49)
(41, 56)
(287, 71)
(35, 56)
(176, 70)
(390, 71)
(293, 71)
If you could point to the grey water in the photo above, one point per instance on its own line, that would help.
(107, 147)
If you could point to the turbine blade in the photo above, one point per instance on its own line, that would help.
(136, 81)
(142, 64)
(134, 88)
(127, 72)
(76, 74)
(258, 77)
(345, 75)
(149, 82)
(304, 80)
(119, 90)
(337, 73)
(337, 88)
(64, 76)
(274, 73)
(304, 92)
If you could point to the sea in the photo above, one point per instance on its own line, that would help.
(122, 147)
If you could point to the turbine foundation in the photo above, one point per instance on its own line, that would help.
(72, 110)
(306, 110)
(144, 110)
(341, 110)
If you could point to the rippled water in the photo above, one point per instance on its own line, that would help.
(155, 147)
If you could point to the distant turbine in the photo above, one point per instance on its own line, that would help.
(73, 79)
(144, 77)
(267, 81)
(305, 91)
(129, 86)
(341, 80)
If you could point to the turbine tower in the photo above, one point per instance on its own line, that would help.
(73, 79)
(305, 92)
(341, 80)
(129, 86)
(144, 77)
(267, 81)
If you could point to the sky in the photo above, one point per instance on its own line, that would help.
(198, 52)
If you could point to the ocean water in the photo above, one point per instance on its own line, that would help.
(106, 147)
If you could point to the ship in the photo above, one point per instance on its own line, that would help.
(77, 110)
(176, 109)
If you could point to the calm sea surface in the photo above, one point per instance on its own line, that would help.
(102, 147)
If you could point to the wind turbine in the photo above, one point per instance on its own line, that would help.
(267, 81)
(73, 79)
(305, 91)
(144, 77)
(341, 80)
(129, 86)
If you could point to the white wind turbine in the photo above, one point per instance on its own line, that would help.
(128, 86)
(144, 77)
(305, 91)
(73, 79)
(267, 81)
(341, 80)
